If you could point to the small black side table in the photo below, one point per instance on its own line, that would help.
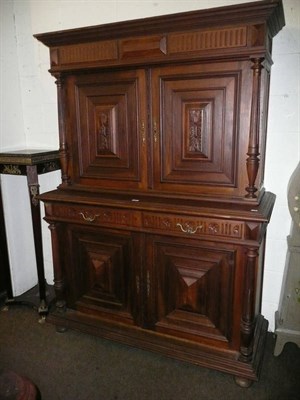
(32, 163)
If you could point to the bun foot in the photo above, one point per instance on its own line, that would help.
(243, 382)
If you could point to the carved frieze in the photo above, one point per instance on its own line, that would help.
(88, 52)
(97, 215)
(191, 226)
(208, 39)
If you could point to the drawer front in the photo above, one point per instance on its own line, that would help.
(149, 221)
(196, 226)
(96, 215)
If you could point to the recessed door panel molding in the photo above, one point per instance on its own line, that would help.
(199, 123)
(110, 112)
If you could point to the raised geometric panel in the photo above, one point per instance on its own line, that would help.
(102, 276)
(195, 290)
(143, 46)
(101, 273)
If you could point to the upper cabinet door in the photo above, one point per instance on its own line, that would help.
(195, 122)
(106, 129)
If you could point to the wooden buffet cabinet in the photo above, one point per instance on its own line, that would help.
(159, 224)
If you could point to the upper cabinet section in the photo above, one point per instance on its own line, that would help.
(167, 106)
(241, 30)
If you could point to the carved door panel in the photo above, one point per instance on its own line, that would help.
(100, 273)
(194, 119)
(108, 114)
(192, 288)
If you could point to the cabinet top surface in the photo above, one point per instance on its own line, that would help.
(259, 213)
(265, 11)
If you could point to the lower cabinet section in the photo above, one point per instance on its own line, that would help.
(193, 294)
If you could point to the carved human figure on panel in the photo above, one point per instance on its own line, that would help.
(104, 131)
(195, 130)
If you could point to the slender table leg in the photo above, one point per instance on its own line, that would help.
(33, 186)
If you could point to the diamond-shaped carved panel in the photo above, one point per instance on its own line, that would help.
(102, 277)
(195, 290)
(105, 273)
(101, 273)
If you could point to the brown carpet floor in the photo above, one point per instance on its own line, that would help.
(76, 366)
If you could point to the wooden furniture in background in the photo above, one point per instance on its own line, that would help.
(158, 228)
(32, 163)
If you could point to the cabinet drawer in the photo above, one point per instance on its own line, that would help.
(196, 226)
(96, 215)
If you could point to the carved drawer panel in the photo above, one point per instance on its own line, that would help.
(194, 225)
(97, 216)
(168, 223)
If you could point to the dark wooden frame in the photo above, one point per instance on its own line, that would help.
(128, 203)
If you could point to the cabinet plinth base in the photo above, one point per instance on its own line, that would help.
(222, 360)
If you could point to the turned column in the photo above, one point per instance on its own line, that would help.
(59, 282)
(252, 161)
(248, 311)
(63, 147)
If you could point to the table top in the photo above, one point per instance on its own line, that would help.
(28, 156)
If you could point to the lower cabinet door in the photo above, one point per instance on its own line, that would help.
(191, 290)
(100, 271)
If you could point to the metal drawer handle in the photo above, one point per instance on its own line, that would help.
(87, 217)
(188, 228)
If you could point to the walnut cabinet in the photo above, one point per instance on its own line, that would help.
(158, 227)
